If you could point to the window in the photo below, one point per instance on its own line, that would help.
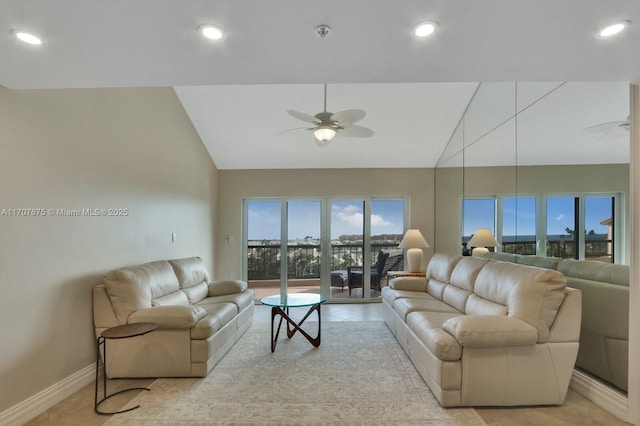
(573, 226)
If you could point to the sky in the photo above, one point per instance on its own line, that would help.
(479, 213)
(387, 217)
(304, 218)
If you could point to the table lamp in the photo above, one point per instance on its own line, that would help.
(414, 242)
(482, 239)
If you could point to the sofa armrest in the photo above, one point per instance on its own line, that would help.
(222, 288)
(485, 331)
(169, 316)
(409, 284)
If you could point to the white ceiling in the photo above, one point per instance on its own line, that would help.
(414, 91)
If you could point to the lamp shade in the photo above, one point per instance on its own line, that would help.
(482, 239)
(413, 241)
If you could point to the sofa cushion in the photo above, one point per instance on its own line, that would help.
(436, 288)
(404, 307)
(530, 294)
(192, 276)
(196, 292)
(440, 266)
(132, 288)
(170, 316)
(190, 271)
(241, 300)
(391, 295)
(596, 271)
(409, 284)
(540, 261)
(466, 271)
(487, 331)
(176, 298)
(218, 316)
(476, 305)
(221, 288)
(427, 327)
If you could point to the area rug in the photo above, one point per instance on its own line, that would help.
(358, 375)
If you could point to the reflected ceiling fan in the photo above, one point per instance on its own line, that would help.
(610, 129)
(327, 124)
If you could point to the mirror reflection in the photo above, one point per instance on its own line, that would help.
(545, 167)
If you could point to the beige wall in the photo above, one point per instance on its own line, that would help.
(234, 185)
(129, 149)
(530, 180)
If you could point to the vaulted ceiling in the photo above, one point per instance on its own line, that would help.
(414, 90)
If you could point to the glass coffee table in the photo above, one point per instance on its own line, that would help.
(280, 304)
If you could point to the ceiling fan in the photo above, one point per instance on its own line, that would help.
(610, 129)
(328, 124)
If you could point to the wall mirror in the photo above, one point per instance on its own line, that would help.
(545, 165)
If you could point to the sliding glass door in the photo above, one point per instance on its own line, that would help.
(303, 246)
(340, 248)
(347, 249)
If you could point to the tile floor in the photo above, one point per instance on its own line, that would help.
(78, 408)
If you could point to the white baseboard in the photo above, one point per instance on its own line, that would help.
(32, 407)
(609, 399)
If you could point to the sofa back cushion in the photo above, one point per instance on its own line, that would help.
(596, 271)
(193, 277)
(540, 261)
(133, 288)
(176, 298)
(462, 281)
(439, 273)
(505, 257)
(530, 294)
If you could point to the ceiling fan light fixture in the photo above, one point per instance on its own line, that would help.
(425, 29)
(211, 32)
(27, 37)
(613, 29)
(323, 134)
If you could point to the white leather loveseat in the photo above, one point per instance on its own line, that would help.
(198, 321)
(484, 332)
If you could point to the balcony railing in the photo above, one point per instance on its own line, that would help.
(594, 249)
(264, 260)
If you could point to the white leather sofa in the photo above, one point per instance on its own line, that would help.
(604, 332)
(487, 333)
(198, 320)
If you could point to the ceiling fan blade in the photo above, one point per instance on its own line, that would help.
(605, 127)
(303, 116)
(291, 130)
(356, 131)
(347, 117)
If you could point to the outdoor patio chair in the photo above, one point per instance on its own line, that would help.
(355, 275)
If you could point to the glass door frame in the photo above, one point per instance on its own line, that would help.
(325, 239)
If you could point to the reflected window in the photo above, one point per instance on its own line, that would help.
(477, 213)
(574, 227)
(519, 225)
(561, 227)
(598, 228)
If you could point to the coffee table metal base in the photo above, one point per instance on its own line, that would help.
(292, 326)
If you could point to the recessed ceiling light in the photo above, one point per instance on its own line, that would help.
(27, 37)
(613, 29)
(425, 29)
(211, 32)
